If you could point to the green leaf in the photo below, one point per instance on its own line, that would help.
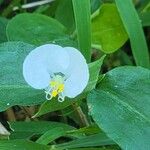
(95, 4)
(3, 24)
(92, 129)
(120, 106)
(88, 141)
(37, 29)
(13, 88)
(64, 14)
(25, 130)
(21, 144)
(108, 33)
(83, 26)
(133, 27)
(93, 149)
(51, 135)
(1, 1)
(54, 105)
(143, 6)
(94, 69)
(145, 18)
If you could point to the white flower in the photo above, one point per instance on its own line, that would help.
(59, 71)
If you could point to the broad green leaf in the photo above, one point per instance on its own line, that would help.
(37, 29)
(120, 106)
(13, 88)
(25, 130)
(54, 105)
(3, 24)
(108, 33)
(83, 26)
(21, 145)
(88, 141)
(64, 14)
(135, 32)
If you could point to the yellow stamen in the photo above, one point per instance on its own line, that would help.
(57, 87)
(60, 88)
(54, 93)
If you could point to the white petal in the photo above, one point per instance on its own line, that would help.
(42, 62)
(79, 73)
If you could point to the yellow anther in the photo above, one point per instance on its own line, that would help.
(60, 88)
(54, 93)
(53, 83)
(56, 86)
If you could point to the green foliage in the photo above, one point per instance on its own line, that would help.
(108, 33)
(37, 29)
(112, 112)
(120, 106)
(67, 19)
(14, 90)
(88, 141)
(145, 18)
(83, 26)
(95, 5)
(19, 144)
(133, 27)
(22, 130)
(51, 135)
(1, 1)
(3, 24)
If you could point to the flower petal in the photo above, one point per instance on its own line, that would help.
(42, 62)
(79, 73)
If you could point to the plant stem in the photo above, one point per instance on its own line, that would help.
(81, 115)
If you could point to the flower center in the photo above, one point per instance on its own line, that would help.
(56, 87)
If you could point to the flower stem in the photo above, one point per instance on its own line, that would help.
(83, 120)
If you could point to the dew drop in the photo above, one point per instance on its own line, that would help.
(8, 104)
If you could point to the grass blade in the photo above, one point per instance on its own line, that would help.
(133, 27)
(83, 26)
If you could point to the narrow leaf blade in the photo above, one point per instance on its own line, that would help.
(133, 27)
(83, 26)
